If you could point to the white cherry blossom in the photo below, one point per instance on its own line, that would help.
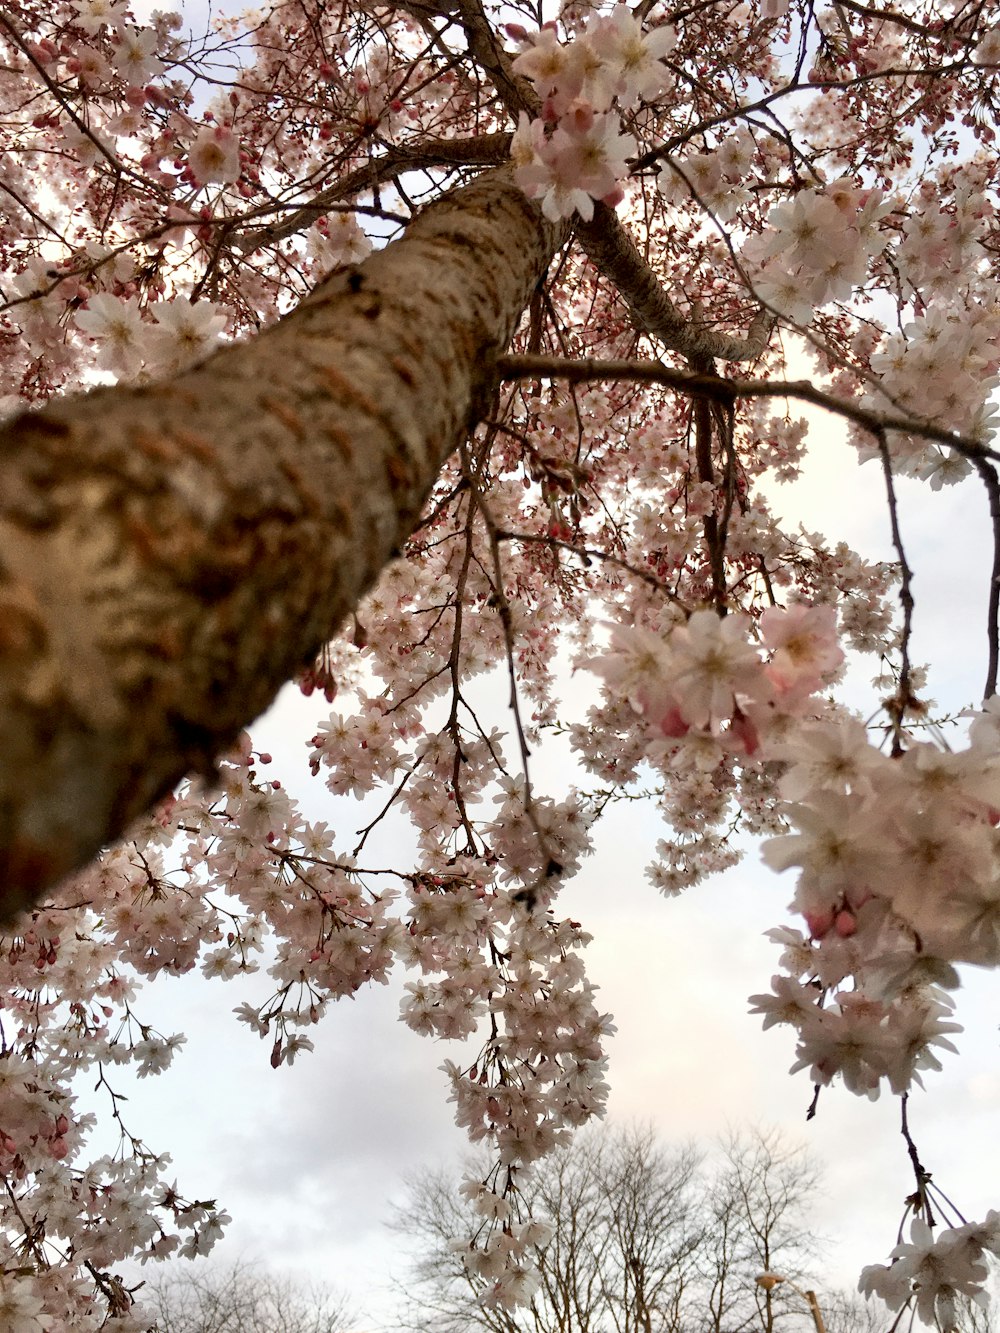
(118, 328)
(214, 156)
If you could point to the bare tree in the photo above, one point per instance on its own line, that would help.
(622, 1249)
(849, 1312)
(756, 1216)
(243, 1299)
(645, 1241)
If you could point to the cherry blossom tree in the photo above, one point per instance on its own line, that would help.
(437, 336)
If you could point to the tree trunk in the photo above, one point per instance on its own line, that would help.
(171, 555)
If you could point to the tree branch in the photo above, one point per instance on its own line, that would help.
(480, 150)
(989, 476)
(609, 245)
(904, 697)
(729, 391)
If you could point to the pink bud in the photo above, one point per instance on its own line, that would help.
(819, 923)
(672, 724)
(845, 924)
(744, 728)
(578, 118)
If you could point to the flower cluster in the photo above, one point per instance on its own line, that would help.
(943, 367)
(816, 248)
(181, 332)
(575, 151)
(934, 1273)
(501, 959)
(899, 854)
(899, 878)
(539, 1077)
(702, 683)
(915, 830)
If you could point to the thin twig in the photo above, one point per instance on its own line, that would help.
(921, 1174)
(551, 865)
(904, 698)
(990, 481)
(588, 554)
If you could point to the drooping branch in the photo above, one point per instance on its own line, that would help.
(988, 473)
(904, 696)
(171, 555)
(714, 542)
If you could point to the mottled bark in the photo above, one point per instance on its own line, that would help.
(170, 556)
